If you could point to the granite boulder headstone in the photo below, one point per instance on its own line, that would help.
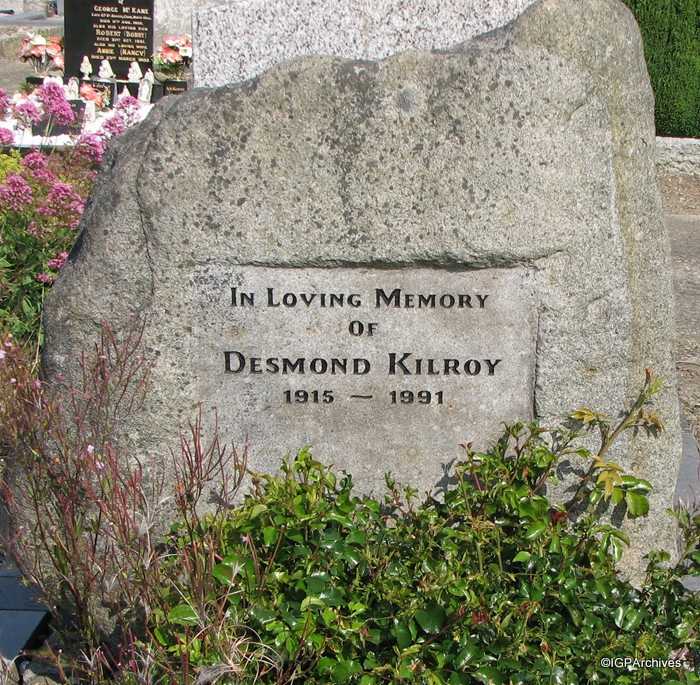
(386, 259)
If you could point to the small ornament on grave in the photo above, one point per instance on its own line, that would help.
(105, 73)
(135, 73)
(145, 90)
(124, 94)
(73, 89)
(90, 111)
(150, 77)
(85, 68)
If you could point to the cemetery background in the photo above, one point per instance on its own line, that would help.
(681, 193)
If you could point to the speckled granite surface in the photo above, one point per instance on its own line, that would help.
(236, 41)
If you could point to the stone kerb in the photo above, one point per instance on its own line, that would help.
(235, 42)
(519, 165)
(679, 156)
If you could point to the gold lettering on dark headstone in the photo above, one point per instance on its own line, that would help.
(120, 32)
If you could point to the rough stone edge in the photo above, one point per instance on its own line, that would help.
(571, 29)
(678, 156)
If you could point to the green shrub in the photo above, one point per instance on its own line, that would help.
(10, 163)
(671, 33)
(305, 582)
(492, 584)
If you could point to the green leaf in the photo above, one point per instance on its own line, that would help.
(402, 634)
(523, 557)
(262, 614)
(342, 671)
(535, 530)
(637, 504)
(270, 535)
(160, 636)
(184, 615)
(633, 484)
(227, 570)
(616, 547)
(633, 618)
(431, 619)
(619, 616)
(312, 602)
(326, 665)
(618, 495)
(257, 510)
(469, 654)
(317, 583)
(356, 537)
(489, 676)
(332, 596)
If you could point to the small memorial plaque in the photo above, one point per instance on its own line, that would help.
(392, 368)
(174, 87)
(119, 31)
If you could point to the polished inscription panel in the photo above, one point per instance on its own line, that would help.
(392, 368)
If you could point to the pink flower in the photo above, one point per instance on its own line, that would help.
(27, 113)
(4, 103)
(35, 161)
(170, 56)
(127, 103)
(6, 136)
(34, 229)
(46, 279)
(3, 354)
(114, 126)
(38, 165)
(55, 104)
(91, 146)
(87, 92)
(58, 61)
(129, 108)
(58, 261)
(62, 199)
(15, 194)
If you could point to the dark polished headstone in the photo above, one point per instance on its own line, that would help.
(120, 31)
(23, 619)
(21, 630)
(48, 127)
